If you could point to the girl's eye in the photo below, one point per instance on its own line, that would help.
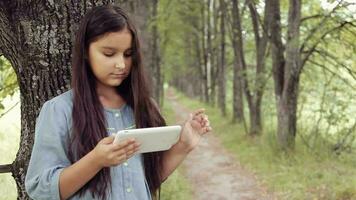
(128, 54)
(108, 54)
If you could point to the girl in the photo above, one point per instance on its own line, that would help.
(73, 154)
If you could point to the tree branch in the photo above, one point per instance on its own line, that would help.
(319, 26)
(254, 20)
(313, 48)
(2, 114)
(333, 58)
(332, 72)
(6, 168)
(310, 17)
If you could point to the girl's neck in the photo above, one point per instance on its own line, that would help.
(109, 97)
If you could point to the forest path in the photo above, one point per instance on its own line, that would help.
(213, 172)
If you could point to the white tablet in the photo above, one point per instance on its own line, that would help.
(151, 139)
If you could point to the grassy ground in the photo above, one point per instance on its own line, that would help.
(302, 175)
(176, 186)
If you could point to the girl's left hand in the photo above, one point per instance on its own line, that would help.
(193, 128)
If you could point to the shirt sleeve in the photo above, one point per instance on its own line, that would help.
(49, 153)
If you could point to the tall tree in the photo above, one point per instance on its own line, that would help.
(156, 59)
(286, 70)
(289, 58)
(252, 93)
(221, 69)
(236, 38)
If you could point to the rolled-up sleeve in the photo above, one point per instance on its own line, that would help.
(49, 154)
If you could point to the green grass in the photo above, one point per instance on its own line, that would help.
(176, 187)
(302, 175)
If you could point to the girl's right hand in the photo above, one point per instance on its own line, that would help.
(109, 154)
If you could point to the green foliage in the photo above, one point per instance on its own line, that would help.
(8, 81)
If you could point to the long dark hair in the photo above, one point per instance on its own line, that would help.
(88, 115)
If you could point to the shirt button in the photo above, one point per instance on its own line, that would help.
(128, 190)
(126, 164)
(117, 114)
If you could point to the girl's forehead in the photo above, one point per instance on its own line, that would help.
(120, 40)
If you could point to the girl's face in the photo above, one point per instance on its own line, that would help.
(110, 58)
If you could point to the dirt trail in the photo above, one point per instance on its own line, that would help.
(214, 173)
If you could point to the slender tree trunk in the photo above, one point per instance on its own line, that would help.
(199, 64)
(222, 75)
(208, 50)
(205, 85)
(156, 60)
(214, 58)
(238, 114)
(260, 77)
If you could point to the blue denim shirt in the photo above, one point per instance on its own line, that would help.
(50, 153)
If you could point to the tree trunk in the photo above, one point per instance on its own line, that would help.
(222, 75)
(286, 71)
(208, 50)
(214, 58)
(156, 60)
(238, 114)
(260, 77)
(205, 85)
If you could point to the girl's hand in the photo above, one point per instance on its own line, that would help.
(109, 154)
(193, 128)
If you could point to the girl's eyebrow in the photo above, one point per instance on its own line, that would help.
(114, 49)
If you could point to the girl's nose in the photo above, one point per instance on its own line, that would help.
(120, 64)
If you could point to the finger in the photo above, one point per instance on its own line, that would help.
(206, 123)
(132, 152)
(121, 158)
(199, 111)
(205, 130)
(127, 149)
(123, 144)
(201, 117)
(107, 140)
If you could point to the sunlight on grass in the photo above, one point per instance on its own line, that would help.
(303, 175)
